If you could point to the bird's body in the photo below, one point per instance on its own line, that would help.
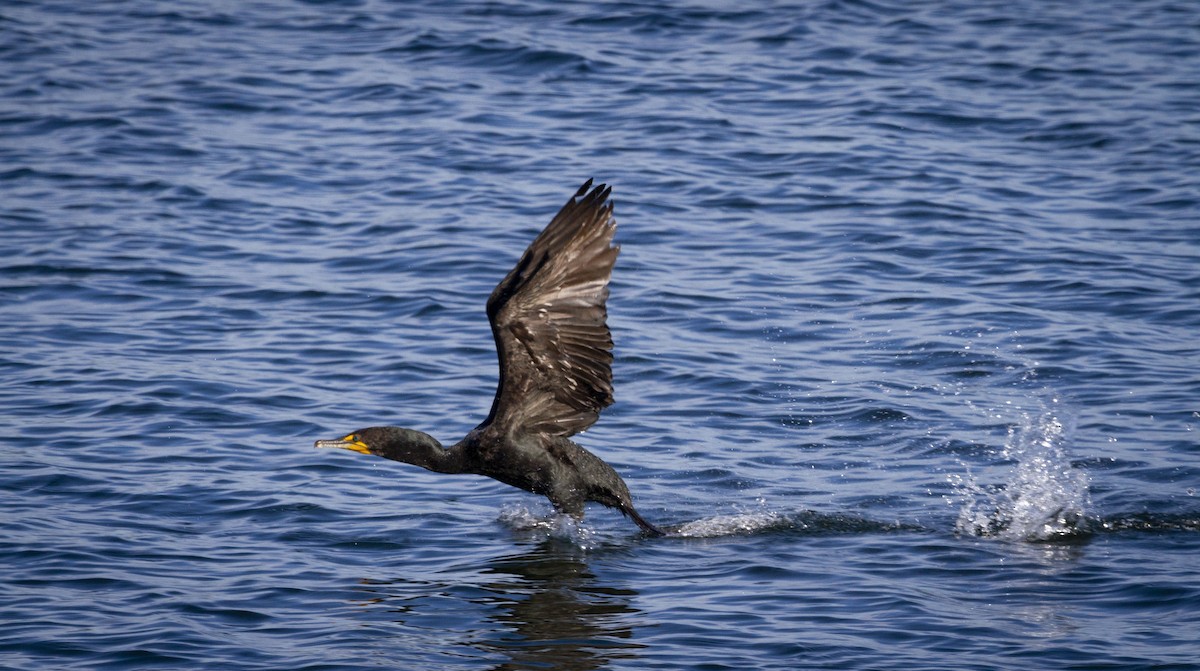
(548, 317)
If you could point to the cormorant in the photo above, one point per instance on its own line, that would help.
(548, 319)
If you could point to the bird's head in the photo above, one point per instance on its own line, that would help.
(390, 442)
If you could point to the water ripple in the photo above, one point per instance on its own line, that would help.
(871, 254)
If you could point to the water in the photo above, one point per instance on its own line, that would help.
(906, 320)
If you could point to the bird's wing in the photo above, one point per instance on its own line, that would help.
(548, 319)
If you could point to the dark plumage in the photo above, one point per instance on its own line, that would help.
(548, 319)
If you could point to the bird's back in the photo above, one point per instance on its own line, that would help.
(553, 466)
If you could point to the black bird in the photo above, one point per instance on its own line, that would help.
(548, 319)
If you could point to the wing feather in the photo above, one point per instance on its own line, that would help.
(548, 318)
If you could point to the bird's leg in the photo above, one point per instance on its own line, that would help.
(570, 507)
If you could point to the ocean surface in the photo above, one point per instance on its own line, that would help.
(907, 323)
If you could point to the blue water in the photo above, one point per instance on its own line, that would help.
(906, 324)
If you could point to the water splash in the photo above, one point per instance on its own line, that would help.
(1044, 497)
(742, 521)
(520, 517)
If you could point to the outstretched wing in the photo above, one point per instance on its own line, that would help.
(548, 319)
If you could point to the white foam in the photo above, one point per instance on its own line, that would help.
(740, 522)
(520, 517)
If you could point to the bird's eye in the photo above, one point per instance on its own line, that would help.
(352, 438)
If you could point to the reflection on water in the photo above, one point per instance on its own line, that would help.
(541, 609)
(558, 617)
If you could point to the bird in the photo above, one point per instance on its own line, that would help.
(549, 320)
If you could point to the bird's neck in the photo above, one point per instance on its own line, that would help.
(422, 449)
(442, 460)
